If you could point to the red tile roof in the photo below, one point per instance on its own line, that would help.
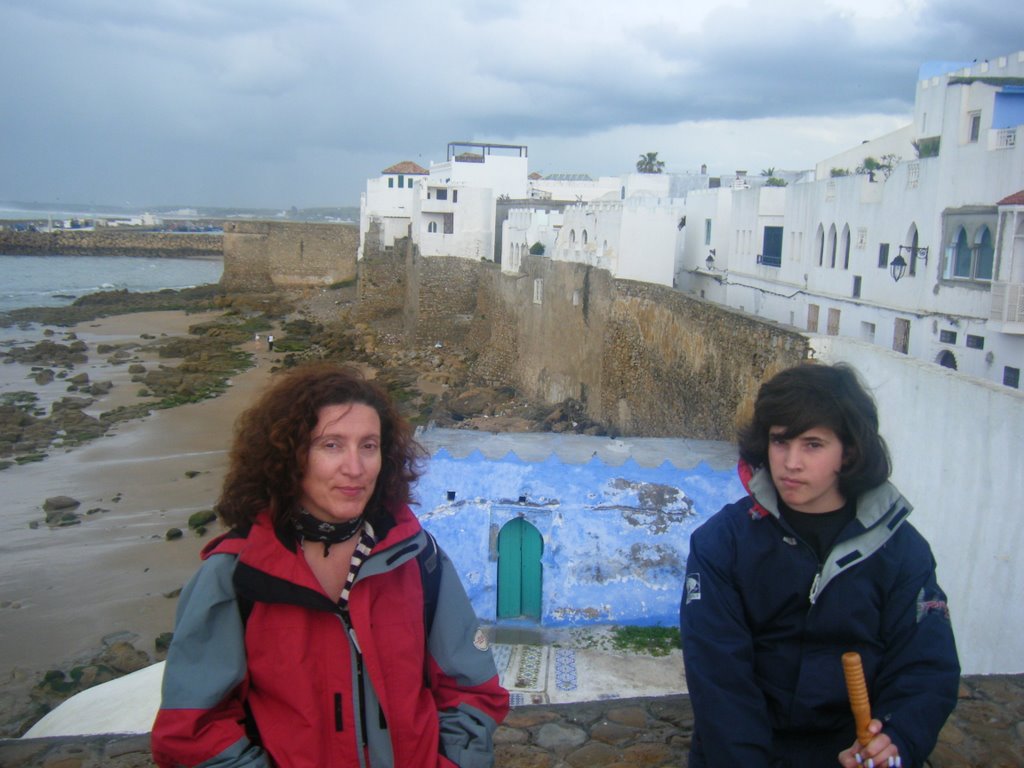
(407, 167)
(1017, 198)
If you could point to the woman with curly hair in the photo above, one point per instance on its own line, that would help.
(303, 638)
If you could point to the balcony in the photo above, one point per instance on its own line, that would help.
(1003, 138)
(1007, 313)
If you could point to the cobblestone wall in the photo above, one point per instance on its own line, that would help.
(259, 255)
(111, 242)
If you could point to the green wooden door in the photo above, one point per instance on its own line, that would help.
(519, 570)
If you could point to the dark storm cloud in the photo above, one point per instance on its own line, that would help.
(262, 102)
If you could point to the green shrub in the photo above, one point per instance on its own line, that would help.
(656, 641)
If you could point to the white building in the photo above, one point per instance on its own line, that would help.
(454, 209)
(481, 203)
(634, 239)
(388, 202)
(923, 255)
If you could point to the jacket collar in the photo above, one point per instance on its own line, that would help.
(880, 512)
(873, 507)
(263, 550)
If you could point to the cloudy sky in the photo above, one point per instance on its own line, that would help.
(275, 103)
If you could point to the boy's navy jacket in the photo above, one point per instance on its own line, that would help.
(764, 627)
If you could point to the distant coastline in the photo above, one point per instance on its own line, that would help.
(113, 242)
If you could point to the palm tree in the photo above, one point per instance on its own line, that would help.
(769, 172)
(649, 163)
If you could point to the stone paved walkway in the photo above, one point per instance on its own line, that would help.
(985, 731)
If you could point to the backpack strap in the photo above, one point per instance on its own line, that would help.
(429, 560)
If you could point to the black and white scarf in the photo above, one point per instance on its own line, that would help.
(312, 529)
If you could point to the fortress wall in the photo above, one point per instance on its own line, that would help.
(641, 358)
(259, 255)
(441, 298)
(674, 365)
(246, 258)
(381, 277)
(111, 242)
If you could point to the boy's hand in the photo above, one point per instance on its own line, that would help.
(879, 753)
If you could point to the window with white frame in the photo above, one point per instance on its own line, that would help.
(973, 127)
(967, 260)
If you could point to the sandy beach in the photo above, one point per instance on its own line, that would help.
(63, 590)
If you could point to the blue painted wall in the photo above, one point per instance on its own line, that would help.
(615, 538)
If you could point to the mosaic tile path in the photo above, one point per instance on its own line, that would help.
(523, 670)
(565, 669)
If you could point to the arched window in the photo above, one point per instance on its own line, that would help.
(914, 242)
(432, 226)
(984, 259)
(572, 237)
(832, 246)
(947, 359)
(962, 255)
(584, 236)
(819, 245)
(846, 246)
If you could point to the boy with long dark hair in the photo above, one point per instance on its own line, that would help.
(817, 560)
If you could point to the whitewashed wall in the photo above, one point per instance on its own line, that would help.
(603, 188)
(502, 174)
(391, 206)
(523, 228)
(957, 445)
(473, 216)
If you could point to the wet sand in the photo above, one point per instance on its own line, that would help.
(63, 590)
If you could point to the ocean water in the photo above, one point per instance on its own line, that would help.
(56, 281)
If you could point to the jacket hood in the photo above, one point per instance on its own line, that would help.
(880, 512)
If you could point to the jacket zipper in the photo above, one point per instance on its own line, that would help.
(360, 685)
(814, 586)
(788, 531)
(362, 699)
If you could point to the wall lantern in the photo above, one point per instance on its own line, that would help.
(897, 268)
(710, 260)
(899, 265)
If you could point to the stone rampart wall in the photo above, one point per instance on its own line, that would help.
(111, 242)
(642, 359)
(441, 298)
(676, 365)
(261, 255)
(382, 277)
